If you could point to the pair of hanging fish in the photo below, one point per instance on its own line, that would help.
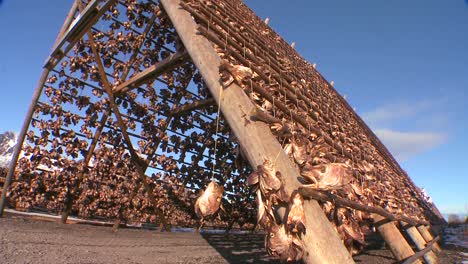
(282, 240)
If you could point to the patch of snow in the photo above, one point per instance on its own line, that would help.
(457, 236)
(7, 143)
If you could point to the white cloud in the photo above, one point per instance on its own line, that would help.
(404, 145)
(400, 111)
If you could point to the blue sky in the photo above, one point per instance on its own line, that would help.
(403, 65)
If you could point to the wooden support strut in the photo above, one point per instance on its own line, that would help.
(89, 15)
(155, 70)
(150, 158)
(134, 156)
(192, 106)
(413, 233)
(429, 247)
(394, 239)
(321, 242)
(29, 114)
(428, 237)
(89, 154)
(321, 196)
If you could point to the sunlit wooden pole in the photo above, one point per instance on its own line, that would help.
(29, 114)
(321, 241)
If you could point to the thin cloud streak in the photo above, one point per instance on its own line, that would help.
(405, 145)
(399, 111)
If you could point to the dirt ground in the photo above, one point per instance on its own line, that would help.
(27, 240)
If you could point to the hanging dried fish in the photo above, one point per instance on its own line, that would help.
(209, 201)
(296, 216)
(327, 176)
(280, 244)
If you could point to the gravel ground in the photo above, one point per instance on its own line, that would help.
(26, 240)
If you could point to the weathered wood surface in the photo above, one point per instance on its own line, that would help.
(429, 247)
(428, 237)
(394, 239)
(413, 233)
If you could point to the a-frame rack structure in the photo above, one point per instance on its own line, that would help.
(134, 87)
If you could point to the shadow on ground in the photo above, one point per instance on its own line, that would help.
(240, 248)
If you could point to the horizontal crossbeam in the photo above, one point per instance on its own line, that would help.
(192, 106)
(167, 64)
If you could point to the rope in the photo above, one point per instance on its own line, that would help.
(217, 130)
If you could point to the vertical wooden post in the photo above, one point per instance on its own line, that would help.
(321, 242)
(29, 114)
(420, 243)
(428, 237)
(394, 239)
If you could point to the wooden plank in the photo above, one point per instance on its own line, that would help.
(428, 237)
(429, 247)
(153, 71)
(394, 239)
(87, 17)
(321, 241)
(413, 233)
(192, 106)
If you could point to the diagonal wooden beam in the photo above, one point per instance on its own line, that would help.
(167, 64)
(394, 239)
(321, 242)
(138, 163)
(192, 106)
(428, 248)
(89, 15)
(416, 237)
(155, 146)
(428, 237)
(89, 154)
(29, 115)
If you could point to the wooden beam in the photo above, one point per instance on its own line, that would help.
(394, 239)
(413, 233)
(169, 63)
(149, 158)
(321, 242)
(27, 119)
(192, 106)
(82, 23)
(137, 162)
(429, 247)
(428, 237)
(66, 23)
(21, 137)
(321, 196)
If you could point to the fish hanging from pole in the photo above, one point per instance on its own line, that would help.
(209, 202)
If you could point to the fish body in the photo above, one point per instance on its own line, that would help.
(209, 201)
